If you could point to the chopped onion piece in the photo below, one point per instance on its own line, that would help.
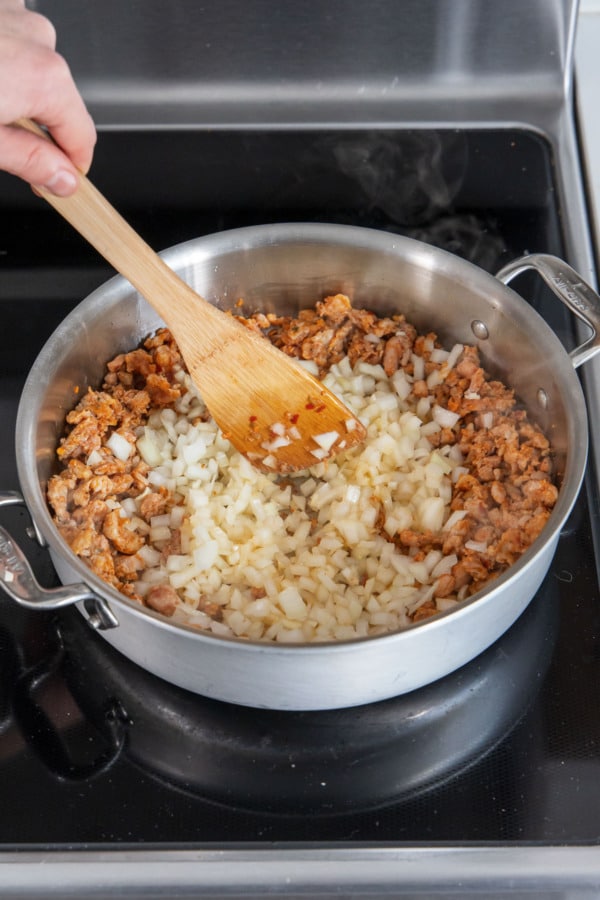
(310, 366)
(160, 533)
(149, 555)
(206, 555)
(444, 417)
(454, 356)
(94, 459)
(149, 449)
(352, 494)
(418, 367)
(120, 446)
(326, 440)
(292, 603)
(276, 444)
(160, 521)
(476, 546)
(453, 518)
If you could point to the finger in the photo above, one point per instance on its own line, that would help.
(37, 84)
(72, 128)
(60, 107)
(19, 22)
(36, 160)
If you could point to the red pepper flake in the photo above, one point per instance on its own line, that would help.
(309, 405)
(294, 418)
(320, 408)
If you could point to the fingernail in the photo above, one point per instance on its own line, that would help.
(62, 183)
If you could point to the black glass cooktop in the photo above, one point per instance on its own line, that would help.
(95, 752)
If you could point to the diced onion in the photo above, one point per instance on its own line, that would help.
(160, 533)
(292, 603)
(476, 546)
(149, 449)
(120, 446)
(94, 458)
(326, 440)
(444, 417)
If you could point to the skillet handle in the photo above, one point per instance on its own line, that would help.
(570, 288)
(21, 585)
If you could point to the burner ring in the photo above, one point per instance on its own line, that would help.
(327, 762)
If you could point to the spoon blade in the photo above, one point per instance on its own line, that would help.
(270, 408)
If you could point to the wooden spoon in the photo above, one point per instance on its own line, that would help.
(269, 407)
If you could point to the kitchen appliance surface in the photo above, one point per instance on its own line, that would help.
(509, 740)
(487, 782)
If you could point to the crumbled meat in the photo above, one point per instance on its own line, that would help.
(161, 392)
(396, 352)
(154, 504)
(123, 539)
(172, 545)
(84, 494)
(334, 329)
(163, 598)
(425, 611)
(128, 567)
(508, 492)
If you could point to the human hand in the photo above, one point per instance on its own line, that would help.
(36, 83)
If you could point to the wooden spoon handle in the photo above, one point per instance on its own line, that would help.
(248, 385)
(99, 222)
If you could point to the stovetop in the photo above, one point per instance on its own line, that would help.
(96, 755)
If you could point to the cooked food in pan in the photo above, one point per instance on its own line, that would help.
(452, 484)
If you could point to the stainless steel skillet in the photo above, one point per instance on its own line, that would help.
(284, 268)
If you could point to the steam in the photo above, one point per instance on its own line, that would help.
(410, 176)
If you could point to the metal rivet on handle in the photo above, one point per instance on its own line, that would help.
(95, 622)
(480, 330)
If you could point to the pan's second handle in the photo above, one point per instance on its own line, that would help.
(570, 288)
(21, 585)
(19, 582)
